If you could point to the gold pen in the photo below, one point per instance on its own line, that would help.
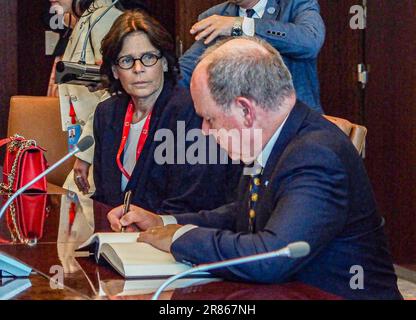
(126, 205)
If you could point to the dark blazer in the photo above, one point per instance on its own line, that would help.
(166, 188)
(314, 189)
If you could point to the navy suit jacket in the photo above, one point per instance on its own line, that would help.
(167, 188)
(294, 27)
(314, 189)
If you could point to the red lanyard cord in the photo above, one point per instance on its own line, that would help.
(72, 112)
(126, 129)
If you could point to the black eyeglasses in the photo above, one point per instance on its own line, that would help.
(148, 60)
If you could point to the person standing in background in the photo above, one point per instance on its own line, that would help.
(64, 33)
(293, 27)
(77, 103)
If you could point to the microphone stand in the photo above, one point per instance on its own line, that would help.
(301, 248)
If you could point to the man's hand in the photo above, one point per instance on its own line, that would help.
(81, 171)
(212, 27)
(159, 237)
(135, 218)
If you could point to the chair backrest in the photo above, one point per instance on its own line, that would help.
(355, 132)
(39, 118)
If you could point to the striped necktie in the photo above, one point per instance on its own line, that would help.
(255, 183)
(250, 13)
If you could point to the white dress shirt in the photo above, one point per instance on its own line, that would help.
(248, 23)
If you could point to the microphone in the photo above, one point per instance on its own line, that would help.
(80, 73)
(293, 250)
(77, 73)
(82, 145)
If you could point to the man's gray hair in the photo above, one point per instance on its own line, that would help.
(253, 73)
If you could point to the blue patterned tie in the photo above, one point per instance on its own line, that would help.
(255, 183)
(250, 13)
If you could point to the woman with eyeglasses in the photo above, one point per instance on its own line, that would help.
(141, 69)
(77, 102)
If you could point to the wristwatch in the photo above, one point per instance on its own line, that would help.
(237, 29)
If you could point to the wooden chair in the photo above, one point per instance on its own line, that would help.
(355, 132)
(39, 118)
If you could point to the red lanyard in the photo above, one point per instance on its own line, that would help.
(72, 213)
(72, 113)
(126, 129)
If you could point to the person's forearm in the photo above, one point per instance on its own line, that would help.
(301, 40)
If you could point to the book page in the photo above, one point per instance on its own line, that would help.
(94, 243)
(141, 260)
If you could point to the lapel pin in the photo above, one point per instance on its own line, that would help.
(271, 10)
(266, 183)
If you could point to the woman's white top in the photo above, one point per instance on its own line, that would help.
(130, 150)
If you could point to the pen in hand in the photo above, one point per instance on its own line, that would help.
(126, 206)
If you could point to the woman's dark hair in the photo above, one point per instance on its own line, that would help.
(126, 24)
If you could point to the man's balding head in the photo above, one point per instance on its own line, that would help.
(241, 88)
(247, 67)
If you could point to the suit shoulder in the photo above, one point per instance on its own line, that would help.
(181, 103)
(108, 106)
(320, 140)
(181, 95)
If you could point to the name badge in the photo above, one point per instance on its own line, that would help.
(74, 133)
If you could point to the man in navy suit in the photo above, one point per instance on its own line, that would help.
(308, 183)
(294, 27)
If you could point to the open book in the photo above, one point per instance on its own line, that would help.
(130, 258)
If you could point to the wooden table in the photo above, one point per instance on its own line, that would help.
(54, 255)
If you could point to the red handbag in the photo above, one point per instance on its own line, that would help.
(23, 162)
(26, 217)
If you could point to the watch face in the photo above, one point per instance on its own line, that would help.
(236, 32)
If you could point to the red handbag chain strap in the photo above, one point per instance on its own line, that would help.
(18, 144)
(16, 233)
(12, 225)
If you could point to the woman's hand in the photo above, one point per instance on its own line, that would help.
(81, 170)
